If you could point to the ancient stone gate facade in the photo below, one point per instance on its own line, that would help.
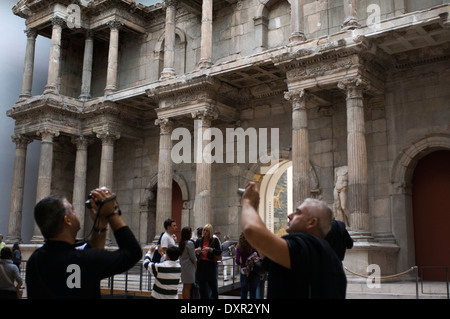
(347, 84)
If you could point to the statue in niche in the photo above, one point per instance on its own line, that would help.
(340, 195)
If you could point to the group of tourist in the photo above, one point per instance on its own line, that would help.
(301, 264)
(193, 261)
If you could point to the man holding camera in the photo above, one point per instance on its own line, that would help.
(60, 268)
(301, 265)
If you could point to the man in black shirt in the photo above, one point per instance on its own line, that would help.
(60, 269)
(301, 264)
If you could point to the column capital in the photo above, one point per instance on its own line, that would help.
(21, 141)
(107, 137)
(165, 125)
(115, 24)
(89, 34)
(206, 115)
(82, 142)
(57, 21)
(31, 33)
(298, 98)
(171, 3)
(47, 135)
(354, 86)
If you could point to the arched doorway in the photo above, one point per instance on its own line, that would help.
(431, 213)
(180, 195)
(177, 207)
(276, 197)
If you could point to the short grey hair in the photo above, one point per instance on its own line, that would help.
(323, 213)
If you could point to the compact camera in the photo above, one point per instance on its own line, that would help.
(241, 191)
(88, 202)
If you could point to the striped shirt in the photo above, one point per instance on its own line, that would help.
(167, 277)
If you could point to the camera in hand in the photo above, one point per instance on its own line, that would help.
(241, 191)
(88, 202)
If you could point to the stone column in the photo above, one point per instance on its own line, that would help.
(169, 39)
(107, 166)
(17, 190)
(202, 204)
(113, 57)
(45, 174)
(297, 21)
(28, 69)
(107, 159)
(358, 197)
(351, 15)
(87, 67)
(206, 39)
(55, 56)
(79, 187)
(300, 146)
(165, 175)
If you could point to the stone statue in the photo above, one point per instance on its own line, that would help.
(340, 194)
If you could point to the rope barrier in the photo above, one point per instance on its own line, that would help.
(383, 277)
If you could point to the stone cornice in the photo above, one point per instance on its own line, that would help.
(191, 86)
(45, 103)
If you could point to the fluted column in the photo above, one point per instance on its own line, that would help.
(202, 204)
(206, 37)
(17, 190)
(113, 57)
(87, 67)
(300, 145)
(44, 181)
(358, 197)
(169, 40)
(79, 186)
(351, 15)
(55, 56)
(297, 21)
(28, 69)
(165, 175)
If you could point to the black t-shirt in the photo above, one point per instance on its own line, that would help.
(316, 272)
(59, 270)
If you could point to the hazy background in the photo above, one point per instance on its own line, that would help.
(12, 56)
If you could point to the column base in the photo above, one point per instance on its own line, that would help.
(84, 97)
(350, 23)
(13, 239)
(37, 240)
(363, 254)
(50, 89)
(361, 236)
(110, 90)
(297, 37)
(168, 73)
(24, 97)
(204, 63)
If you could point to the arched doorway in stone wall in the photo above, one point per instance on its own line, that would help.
(405, 227)
(431, 214)
(177, 207)
(180, 195)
